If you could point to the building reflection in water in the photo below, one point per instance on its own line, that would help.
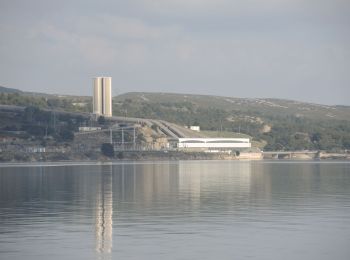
(185, 185)
(196, 179)
(166, 188)
(104, 211)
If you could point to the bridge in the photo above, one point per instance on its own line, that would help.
(170, 130)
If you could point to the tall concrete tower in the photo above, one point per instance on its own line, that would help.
(102, 98)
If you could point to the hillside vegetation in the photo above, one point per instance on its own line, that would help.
(64, 103)
(282, 124)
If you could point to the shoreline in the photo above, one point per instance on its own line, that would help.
(129, 162)
(146, 156)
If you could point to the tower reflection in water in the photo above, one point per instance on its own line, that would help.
(165, 189)
(104, 211)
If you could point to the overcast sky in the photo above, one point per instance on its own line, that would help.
(293, 49)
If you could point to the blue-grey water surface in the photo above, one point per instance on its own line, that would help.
(176, 210)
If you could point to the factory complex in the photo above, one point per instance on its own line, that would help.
(102, 106)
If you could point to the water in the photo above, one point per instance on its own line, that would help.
(176, 210)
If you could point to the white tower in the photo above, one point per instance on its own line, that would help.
(102, 96)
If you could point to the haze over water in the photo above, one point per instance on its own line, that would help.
(176, 210)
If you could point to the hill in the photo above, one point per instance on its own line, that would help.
(6, 90)
(268, 107)
(9, 90)
(15, 97)
(283, 124)
(280, 124)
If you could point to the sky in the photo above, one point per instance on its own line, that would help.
(290, 49)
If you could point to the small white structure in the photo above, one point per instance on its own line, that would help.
(35, 149)
(80, 104)
(195, 128)
(89, 128)
(214, 143)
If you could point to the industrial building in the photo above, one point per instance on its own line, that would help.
(102, 96)
(213, 143)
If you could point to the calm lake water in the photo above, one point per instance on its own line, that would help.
(176, 210)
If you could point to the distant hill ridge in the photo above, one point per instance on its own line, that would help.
(278, 123)
(281, 124)
(266, 106)
(28, 93)
(9, 90)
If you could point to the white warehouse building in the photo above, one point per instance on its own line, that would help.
(214, 143)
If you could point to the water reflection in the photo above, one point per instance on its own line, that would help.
(104, 211)
(204, 182)
(181, 210)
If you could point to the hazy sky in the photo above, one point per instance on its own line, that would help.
(295, 49)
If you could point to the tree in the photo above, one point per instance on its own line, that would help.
(120, 155)
(29, 113)
(101, 120)
(107, 149)
(35, 130)
(66, 135)
(154, 127)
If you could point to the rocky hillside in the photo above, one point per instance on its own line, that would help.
(280, 124)
(283, 124)
(266, 107)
